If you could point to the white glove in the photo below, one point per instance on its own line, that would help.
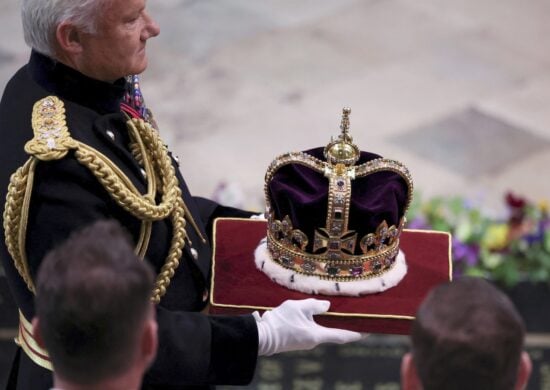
(290, 327)
(258, 216)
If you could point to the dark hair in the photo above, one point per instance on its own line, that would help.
(467, 335)
(93, 295)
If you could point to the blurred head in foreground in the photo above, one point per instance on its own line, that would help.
(466, 335)
(93, 310)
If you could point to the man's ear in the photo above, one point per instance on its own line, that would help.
(37, 333)
(409, 376)
(149, 339)
(68, 38)
(524, 371)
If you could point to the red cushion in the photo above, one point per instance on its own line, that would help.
(238, 287)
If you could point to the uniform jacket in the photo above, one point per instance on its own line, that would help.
(194, 349)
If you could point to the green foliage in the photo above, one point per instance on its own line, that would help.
(509, 250)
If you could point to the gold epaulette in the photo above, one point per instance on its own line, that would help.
(51, 139)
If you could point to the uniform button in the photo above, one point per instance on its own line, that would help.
(205, 296)
(177, 159)
(111, 134)
(194, 253)
(143, 173)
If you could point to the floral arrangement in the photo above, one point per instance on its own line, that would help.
(507, 250)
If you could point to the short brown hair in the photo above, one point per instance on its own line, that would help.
(93, 294)
(467, 335)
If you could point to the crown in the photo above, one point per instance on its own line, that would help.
(336, 213)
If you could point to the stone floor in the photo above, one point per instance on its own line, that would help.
(458, 91)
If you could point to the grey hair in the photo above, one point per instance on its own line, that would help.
(41, 18)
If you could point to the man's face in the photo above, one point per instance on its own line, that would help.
(117, 49)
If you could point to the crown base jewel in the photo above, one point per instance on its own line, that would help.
(337, 261)
(312, 284)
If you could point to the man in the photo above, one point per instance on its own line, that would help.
(466, 335)
(81, 147)
(94, 313)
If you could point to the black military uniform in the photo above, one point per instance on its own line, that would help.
(194, 349)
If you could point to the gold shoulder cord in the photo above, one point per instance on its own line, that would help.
(52, 141)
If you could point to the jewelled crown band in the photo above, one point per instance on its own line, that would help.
(334, 251)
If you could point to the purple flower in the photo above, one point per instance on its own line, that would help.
(469, 254)
(538, 235)
(457, 272)
(418, 223)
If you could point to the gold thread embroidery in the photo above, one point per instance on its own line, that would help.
(52, 140)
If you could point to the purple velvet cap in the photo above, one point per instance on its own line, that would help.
(301, 193)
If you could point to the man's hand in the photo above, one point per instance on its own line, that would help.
(290, 327)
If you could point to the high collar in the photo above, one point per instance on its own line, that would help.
(69, 84)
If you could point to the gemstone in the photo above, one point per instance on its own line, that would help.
(299, 238)
(376, 265)
(356, 271)
(48, 103)
(50, 143)
(332, 270)
(334, 244)
(308, 266)
(349, 245)
(287, 261)
(336, 226)
(334, 256)
(285, 225)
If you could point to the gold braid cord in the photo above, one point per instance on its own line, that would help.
(15, 217)
(52, 141)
